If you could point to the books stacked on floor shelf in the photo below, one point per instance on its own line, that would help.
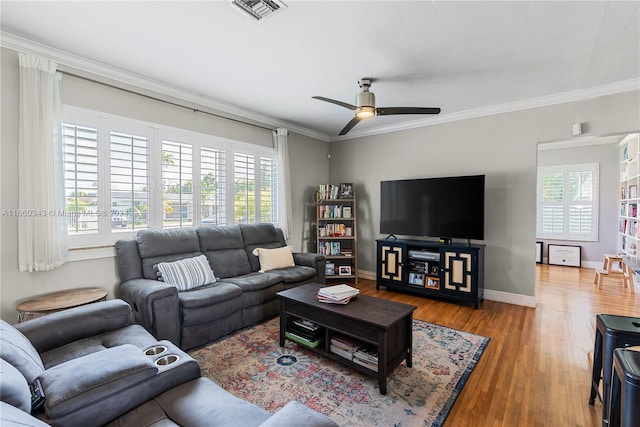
(367, 356)
(344, 346)
(338, 294)
(304, 332)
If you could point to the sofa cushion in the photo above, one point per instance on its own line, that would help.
(12, 416)
(147, 414)
(295, 413)
(168, 245)
(224, 248)
(209, 295)
(202, 403)
(260, 236)
(153, 243)
(133, 334)
(299, 273)
(16, 349)
(87, 380)
(186, 273)
(229, 262)
(13, 387)
(271, 259)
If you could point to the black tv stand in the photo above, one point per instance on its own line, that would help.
(428, 268)
(391, 237)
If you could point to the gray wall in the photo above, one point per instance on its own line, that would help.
(308, 157)
(503, 147)
(607, 156)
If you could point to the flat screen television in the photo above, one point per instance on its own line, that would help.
(450, 207)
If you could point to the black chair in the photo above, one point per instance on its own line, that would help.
(611, 332)
(624, 401)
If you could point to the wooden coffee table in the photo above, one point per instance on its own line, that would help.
(386, 324)
(56, 301)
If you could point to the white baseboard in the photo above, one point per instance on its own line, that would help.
(509, 298)
(489, 294)
(370, 275)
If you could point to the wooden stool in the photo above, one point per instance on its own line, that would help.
(625, 272)
(609, 260)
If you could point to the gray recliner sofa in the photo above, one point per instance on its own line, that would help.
(242, 295)
(96, 369)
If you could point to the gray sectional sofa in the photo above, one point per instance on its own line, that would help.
(241, 295)
(96, 369)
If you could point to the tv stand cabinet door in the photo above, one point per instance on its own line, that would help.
(390, 262)
(460, 273)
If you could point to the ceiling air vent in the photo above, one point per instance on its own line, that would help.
(259, 9)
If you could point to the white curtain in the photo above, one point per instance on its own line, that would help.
(281, 145)
(42, 228)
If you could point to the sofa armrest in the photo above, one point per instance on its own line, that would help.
(155, 306)
(60, 328)
(89, 380)
(312, 260)
(295, 414)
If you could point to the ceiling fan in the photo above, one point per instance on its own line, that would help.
(365, 107)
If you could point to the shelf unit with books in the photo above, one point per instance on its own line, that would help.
(628, 237)
(336, 236)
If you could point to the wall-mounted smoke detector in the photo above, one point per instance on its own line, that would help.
(259, 9)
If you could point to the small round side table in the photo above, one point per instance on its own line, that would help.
(56, 301)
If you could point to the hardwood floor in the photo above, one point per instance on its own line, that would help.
(536, 369)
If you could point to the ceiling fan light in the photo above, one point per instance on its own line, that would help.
(365, 112)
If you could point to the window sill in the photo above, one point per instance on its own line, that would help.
(83, 254)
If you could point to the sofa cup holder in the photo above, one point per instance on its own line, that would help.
(167, 360)
(155, 350)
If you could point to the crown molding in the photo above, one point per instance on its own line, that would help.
(13, 42)
(66, 59)
(525, 104)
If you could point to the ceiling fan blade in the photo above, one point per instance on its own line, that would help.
(387, 111)
(333, 101)
(349, 126)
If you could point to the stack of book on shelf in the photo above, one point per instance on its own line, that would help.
(338, 294)
(344, 346)
(367, 356)
(304, 332)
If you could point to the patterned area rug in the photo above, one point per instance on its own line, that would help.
(251, 365)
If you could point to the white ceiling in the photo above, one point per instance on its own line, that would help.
(465, 57)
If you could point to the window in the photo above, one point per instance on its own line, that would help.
(81, 178)
(213, 203)
(177, 184)
(129, 181)
(123, 175)
(568, 202)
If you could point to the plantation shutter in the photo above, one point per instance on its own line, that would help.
(567, 202)
(213, 194)
(268, 190)
(81, 178)
(244, 177)
(177, 184)
(129, 176)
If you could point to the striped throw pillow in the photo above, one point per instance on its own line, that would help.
(187, 273)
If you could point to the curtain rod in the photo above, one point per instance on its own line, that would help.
(195, 110)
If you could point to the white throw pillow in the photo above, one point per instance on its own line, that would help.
(271, 259)
(187, 273)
